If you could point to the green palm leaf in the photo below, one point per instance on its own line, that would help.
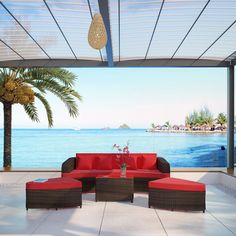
(47, 108)
(43, 80)
(66, 78)
(31, 111)
(65, 94)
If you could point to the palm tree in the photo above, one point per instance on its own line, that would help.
(221, 120)
(205, 117)
(22, 86)
(167, 124)
(192, 119)
(199, 118)
(188, 122)
(153, 126)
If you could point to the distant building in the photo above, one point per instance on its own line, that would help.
(220, 127)
(175, 127)
(196, 128)
(158, 127)
(165, 127)
(205, 127)
(183, 127)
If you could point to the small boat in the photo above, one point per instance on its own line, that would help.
(105, 128)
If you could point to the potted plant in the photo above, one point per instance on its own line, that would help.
(120, 158)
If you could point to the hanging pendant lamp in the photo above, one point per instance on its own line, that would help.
(97, 35)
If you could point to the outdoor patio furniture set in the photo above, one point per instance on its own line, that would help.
(100, 173)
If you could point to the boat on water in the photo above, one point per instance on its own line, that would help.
(105, 128)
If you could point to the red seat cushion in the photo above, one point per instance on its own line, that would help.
(116, 172)
(139, 173)
(177, 184)
(85, 161)
(142, 173)
(112, 175)
(86, 173)
(54, 183)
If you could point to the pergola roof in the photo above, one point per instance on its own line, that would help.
(140, 33)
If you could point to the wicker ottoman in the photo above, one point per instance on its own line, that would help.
(179, 194)
(53, 193)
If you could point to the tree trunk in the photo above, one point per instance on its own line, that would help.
(7, 109)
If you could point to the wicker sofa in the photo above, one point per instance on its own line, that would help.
(143, 167)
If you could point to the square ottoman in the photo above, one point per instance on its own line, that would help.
(180, 194)
(114, 188)
(53, 193)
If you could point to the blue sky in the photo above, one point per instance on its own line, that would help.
(136, 96)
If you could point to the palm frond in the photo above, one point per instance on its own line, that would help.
(71, 105)
(42, 80)
(31, 111)
(47, 108)
(68, 100)
(44, 84)
(36, 85)
(31, 75)
(66, 77)
(64, 93)
(3, 75)
(63, 76)
(76, 94)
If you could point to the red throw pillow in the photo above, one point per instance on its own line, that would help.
(138, 159)
(130, 162)
(104, 162)
(85, 162)
(149, 161)
(115, 161)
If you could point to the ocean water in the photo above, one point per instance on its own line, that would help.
(48, 148)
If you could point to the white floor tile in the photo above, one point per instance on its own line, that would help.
(73, 221)
(222, 206)
(191, 223)
(128, 222)
(10, 177)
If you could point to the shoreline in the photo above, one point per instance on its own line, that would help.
(187, 131)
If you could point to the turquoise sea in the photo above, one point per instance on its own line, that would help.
(48, 148)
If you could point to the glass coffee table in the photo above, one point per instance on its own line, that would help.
(114, 188)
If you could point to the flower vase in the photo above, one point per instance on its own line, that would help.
(123, 171)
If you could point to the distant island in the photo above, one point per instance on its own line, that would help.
(124, 126)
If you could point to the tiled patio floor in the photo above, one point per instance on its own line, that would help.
(111, 218)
